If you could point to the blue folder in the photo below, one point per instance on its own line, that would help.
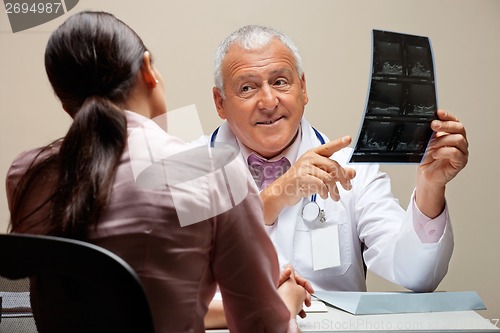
(401, 302)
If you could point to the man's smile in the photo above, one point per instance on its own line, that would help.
(269, 122)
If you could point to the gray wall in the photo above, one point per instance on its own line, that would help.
(334, 38)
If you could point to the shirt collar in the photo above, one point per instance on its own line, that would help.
(290, 153)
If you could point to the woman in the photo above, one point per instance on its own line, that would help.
(85, 187)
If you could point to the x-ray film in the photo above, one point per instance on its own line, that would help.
(401, 101)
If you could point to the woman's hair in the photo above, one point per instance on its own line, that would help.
(92, 61)
(251, 37)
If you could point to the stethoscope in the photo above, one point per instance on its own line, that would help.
(311, 211)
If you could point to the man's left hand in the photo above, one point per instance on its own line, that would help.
(447, 154)
(448, 151)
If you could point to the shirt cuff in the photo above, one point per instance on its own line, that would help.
(428, 230)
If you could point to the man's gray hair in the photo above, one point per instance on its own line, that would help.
(251, 37)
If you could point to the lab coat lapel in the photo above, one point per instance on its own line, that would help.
(284, 237)
(226, 136)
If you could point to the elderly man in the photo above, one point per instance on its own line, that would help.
(330, 233)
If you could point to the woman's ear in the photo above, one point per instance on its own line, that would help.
(147, 71)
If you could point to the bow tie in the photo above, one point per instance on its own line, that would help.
(265, 172)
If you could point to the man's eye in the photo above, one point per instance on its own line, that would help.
(280, 82)
(245, 89)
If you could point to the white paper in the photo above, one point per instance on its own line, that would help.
(317, 306)
(325, 247)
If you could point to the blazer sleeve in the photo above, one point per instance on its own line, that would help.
(246, 268)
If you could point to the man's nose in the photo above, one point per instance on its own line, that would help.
(267, 98)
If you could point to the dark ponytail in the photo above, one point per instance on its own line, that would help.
(88, 159)
(92, 61)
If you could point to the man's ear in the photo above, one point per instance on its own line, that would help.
(147, 71)
(219, 100)
(304, 88)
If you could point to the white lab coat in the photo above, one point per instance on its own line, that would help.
(367, 214)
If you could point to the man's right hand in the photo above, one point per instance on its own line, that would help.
(314, 172)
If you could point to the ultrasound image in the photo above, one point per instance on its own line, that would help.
(385, 98)
(412, 137)
(388, 59)
(401, 101)
(421, 100)
(377, 136)
(419, 60)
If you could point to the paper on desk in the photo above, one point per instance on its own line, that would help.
(15, 304)
(316, 306)
(401, 302)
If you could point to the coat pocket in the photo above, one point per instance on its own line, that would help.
(305, 249)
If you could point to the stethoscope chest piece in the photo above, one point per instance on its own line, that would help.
(311, 212)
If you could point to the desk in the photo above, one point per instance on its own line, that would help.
(336, 320)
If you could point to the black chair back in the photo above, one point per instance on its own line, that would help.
(76, 286)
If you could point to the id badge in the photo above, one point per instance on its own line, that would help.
(325, 247)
